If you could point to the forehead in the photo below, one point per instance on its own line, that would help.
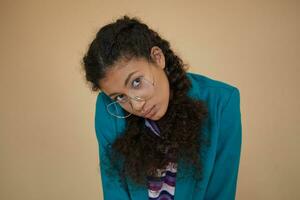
(115, 77)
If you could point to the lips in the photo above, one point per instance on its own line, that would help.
(149, 112)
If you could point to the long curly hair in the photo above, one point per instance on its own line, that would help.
(138, 153)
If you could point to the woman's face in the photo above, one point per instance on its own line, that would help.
(120, 79)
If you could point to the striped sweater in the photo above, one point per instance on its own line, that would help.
(161, 187)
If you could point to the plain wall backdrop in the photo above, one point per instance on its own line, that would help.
(48, 146)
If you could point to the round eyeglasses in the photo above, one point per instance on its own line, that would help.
(140, 90)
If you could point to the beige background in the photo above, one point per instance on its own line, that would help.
(48, 147)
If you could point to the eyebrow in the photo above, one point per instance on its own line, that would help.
(125, 83)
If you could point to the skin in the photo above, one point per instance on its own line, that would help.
(114, 83)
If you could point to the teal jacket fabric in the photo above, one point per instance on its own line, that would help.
(221, 160)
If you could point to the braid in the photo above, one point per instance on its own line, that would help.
(124, 39)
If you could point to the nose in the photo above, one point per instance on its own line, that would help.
(137, 105)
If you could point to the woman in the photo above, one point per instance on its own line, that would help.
(163, 132)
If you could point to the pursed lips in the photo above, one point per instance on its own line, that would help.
(148, 111)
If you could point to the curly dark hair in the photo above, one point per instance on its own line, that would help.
(140, 151)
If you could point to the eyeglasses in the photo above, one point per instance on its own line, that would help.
(141, 89)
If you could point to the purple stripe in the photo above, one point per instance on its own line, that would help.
(155, 187)
(170, 181)
(148, 124)
(154, 126)
(169, 173)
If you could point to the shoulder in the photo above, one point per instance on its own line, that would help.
(107, 127)
(209, 89)
(217, 95)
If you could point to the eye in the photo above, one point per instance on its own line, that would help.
(121, 98)
(136, 82)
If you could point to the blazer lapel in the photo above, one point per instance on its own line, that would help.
(185, 185)
(137, 193)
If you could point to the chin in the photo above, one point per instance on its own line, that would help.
(159, 115)
(155, 118)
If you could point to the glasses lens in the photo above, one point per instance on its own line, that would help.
(116, 110)
(144, 90)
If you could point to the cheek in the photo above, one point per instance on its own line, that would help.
(166, 92)
(126, 107)
(163, 90)
(164, 95)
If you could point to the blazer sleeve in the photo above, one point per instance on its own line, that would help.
(105, 132)
(223, 180)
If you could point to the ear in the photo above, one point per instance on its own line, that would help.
(158, 56)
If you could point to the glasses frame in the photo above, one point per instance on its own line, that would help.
(136, 98)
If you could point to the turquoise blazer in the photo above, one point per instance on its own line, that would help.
(221, 160)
